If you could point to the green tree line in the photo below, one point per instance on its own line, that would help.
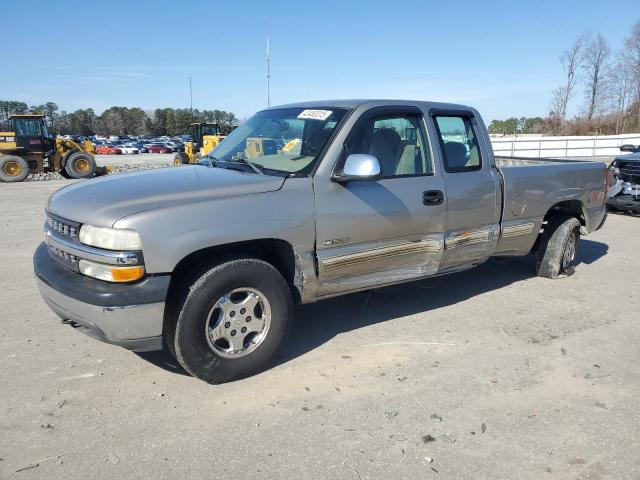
(518, 125)
(118, 120)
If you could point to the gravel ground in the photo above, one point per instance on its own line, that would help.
(118, 164)
(487, 374)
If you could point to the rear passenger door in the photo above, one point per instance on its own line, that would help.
(472, 188)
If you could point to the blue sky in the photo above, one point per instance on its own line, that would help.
(501, 57)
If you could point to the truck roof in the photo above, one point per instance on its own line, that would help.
(354, 103)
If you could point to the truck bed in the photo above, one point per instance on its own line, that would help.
(504, 161)
(531, 187)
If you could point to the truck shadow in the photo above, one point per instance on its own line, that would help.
(591, 251)
(317, 323)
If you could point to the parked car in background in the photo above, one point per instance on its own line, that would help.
(624, 194)
(158, 148)
(108, 150)
(141, 148)
(129, 149)
(174, 146)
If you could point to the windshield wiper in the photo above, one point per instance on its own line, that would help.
(244, 161)
(213, 162)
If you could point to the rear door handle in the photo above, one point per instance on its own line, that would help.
(432, 197)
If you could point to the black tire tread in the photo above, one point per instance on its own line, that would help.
(71, 170)
(181, 158)
(23, 164)
(552, 245)
(236, 368)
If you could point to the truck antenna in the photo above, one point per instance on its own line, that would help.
(268, 65)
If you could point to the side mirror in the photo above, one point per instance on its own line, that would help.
(629, 148)
(358, 167)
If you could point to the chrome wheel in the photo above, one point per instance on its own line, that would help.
(238, 322)
(569, 255)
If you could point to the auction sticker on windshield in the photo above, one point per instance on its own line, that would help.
(315, 114)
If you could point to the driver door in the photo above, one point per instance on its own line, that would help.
(372, 233)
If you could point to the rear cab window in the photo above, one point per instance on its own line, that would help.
(458, 142)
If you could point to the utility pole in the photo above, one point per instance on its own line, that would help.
(268, 64)
(190, 96)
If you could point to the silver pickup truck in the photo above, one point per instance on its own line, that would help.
(300, 203)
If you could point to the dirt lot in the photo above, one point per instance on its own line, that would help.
(491, 373)
(142, 158)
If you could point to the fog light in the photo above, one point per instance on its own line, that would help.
(111, 273)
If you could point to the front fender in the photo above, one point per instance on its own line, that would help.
(171, 233)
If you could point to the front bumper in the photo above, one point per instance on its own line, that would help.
(128, 315)
(624, 203)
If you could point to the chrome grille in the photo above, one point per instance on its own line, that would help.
(62, 255)
(63, 227)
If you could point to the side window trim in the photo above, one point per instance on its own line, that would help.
(465, 115)
(432, 153)
(392, 111)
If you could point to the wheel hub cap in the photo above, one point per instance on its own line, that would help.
(238, 322)
(82, 165)
(12, 169)
(569, 252)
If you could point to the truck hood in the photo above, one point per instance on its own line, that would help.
(103, 201)
(635, 157)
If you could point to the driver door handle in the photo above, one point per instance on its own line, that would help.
(432, 197)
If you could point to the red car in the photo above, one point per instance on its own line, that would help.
(159, 149)
(108, 150)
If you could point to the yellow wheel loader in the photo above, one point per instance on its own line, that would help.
(28, 148)
(205, 137)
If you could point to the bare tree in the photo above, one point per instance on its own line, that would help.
(595, 58)
(632, 54)
(619, 82)
(571, 59)
(558, 102)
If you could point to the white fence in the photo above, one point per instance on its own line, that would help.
(562, 147)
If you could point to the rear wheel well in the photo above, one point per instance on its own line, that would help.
(567, 208)
(572, 208)
(278, 253)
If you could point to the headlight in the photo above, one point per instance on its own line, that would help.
(110, 238)
(110, 273)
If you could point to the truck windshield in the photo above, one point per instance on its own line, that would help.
(287, 140)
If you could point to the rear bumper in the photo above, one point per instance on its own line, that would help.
(130, 316)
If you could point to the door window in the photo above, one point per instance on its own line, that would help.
(397, 141)
(459, 143)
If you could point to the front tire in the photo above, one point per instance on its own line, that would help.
(180, 158)
(80, 165)
(233, 322)
(557, 254)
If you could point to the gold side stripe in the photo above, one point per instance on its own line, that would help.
(516, 230)
(340, 261)
(467, 238)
